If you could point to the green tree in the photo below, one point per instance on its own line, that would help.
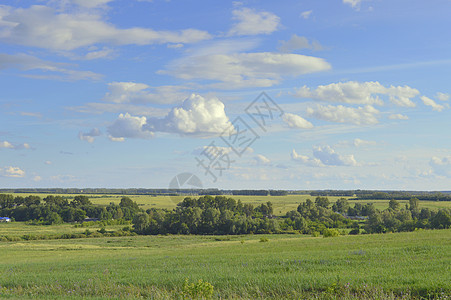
(393, 204)
(322, 202)
(141, 222)
(80, 200)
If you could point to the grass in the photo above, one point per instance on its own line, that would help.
(286, 266)
(19, 229)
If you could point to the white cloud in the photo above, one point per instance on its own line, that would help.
(37, 178)
(245, 69)
(48, 162)
(329, 157)
(401, 95)
(359, 143)
(306, 14)
(8, 145)
(313, 162)
(429, 102)
(91, 3)
(13, 172)
(27, 62)
(295, 121)
(89, 136)
(341, 114)
(442, 96)
(128, 126)
(260, 159)
(252, 22)
(132, 92)
(45, 27)
(353, 3)
(351, 92)
(354, 92)
(195, 116)
(441, 166)
(31, 114)
(398, 117)
(64, 178)
(298, 42)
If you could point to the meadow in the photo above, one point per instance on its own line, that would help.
(409, 264)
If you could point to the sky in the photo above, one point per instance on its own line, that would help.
(305, 94)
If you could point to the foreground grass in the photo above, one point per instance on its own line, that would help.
(287, 266)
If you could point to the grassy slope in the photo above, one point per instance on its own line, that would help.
(281, 268)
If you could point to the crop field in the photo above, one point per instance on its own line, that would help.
(252, 266)
(282, 204)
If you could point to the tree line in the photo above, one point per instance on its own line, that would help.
(225, 215)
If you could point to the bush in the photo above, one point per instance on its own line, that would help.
(354, 231)
(264, 240)
(330, 232)
(315, 234)
(198, 290)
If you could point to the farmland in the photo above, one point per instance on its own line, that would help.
(251, 266)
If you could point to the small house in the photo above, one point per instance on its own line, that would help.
(4, 219)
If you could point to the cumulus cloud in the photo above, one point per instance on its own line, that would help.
(13, 172)
(353, 92)
(46, 27)
(441, 166)
(195, 116)
(295, 121)
(442, 96)
(260, 159)
(398, 117)
(128, 126)
(27, 62)
(329, 157)
(37, 178)
(340, 114)
(429, 102)
(8, 145)
(297, 43)
(313, 162)
(89, 136)
(245, 69)
(401, 95)
(252, 22)
(139, 93)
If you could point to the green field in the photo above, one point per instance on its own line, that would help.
(286, 266)
(282, 204)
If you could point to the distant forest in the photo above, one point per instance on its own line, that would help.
(354, 194)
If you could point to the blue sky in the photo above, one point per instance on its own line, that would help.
(111, 93)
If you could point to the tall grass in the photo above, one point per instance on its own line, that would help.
(386, 266)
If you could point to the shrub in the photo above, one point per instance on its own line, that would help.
(200, 289)
(354, 231)
(331, 232)
(264, 240)
(315, 234)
